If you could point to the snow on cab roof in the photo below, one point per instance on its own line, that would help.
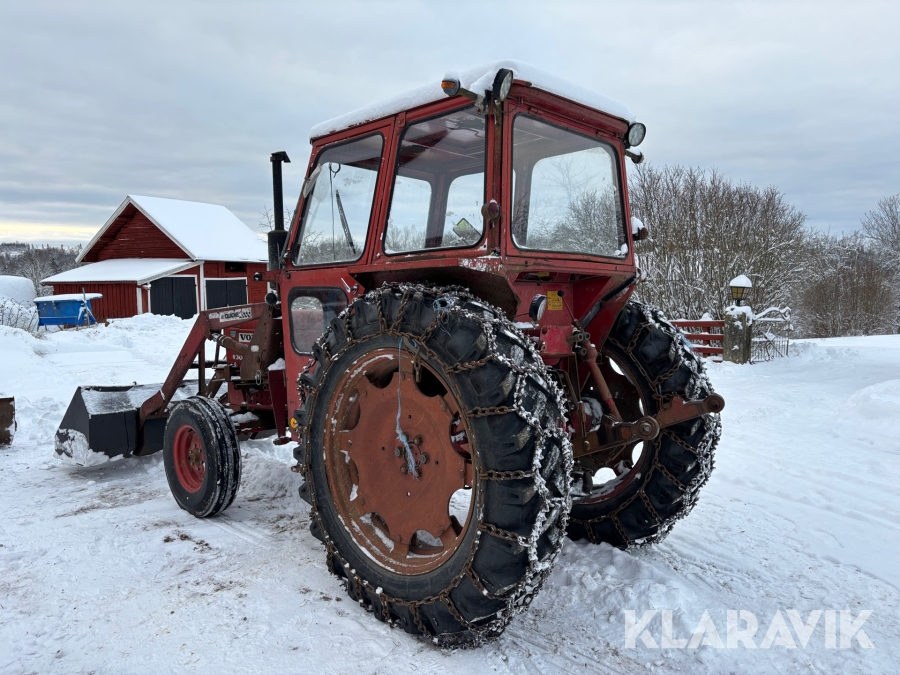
(475, 79)
(202, 231)
(138, 270)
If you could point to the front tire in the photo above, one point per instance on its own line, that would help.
(476, 401)
(202, 457)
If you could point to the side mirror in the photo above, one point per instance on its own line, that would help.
(636, 155)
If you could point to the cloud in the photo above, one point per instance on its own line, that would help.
(187, 100)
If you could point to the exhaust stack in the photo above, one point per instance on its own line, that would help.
(278, 236)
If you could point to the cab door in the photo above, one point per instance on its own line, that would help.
(336, 211)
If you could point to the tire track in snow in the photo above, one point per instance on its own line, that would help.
(555, 655)
(250, 535)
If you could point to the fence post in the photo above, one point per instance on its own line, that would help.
(737, 334)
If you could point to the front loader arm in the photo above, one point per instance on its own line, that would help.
(208, 322)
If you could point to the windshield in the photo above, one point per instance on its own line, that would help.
(340, 191)
(565, 191)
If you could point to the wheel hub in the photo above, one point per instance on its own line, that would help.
(393, 479)
(409, 488)
(189, 458)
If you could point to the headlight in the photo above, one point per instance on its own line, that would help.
(502, 82)
(538, 305)
(635, 135)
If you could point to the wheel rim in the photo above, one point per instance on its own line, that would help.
(613, 472)
(407, 505)
(189, 458)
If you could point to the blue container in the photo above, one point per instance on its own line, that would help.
(70, 309)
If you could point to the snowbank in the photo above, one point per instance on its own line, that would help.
(19, 289)
(876, 406)
(799, 515)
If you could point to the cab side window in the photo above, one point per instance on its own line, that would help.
(312, 309)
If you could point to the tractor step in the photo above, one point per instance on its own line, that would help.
(101, 423)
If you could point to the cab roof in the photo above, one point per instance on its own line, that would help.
(474, 79)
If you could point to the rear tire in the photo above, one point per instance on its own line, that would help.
(202, 457)
(641, 505)
(475, 364)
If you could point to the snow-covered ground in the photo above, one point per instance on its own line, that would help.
(101, 572)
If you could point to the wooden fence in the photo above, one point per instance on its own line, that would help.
(706, 336)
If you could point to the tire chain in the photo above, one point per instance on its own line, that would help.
(521, 595)
(703, 452)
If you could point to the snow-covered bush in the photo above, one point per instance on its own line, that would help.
(18, 315)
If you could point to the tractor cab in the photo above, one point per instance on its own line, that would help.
(504, 180)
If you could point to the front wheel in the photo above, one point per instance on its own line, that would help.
(202, 457)
(635, 494)
(437, 461)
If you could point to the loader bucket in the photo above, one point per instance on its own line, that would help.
(101, 423)
(7, 420)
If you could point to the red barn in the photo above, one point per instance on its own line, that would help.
(167, 256)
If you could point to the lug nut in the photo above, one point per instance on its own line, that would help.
(423, 458)
(417, 440)
(404, 469)
(398, 452)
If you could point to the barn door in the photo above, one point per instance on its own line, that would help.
(161, 301)
(184, 293)
(174, 295)
(225, 293)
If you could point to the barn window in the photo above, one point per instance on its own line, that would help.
(225, 293)
(235, 267)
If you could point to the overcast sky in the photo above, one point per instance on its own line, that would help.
(188, 99)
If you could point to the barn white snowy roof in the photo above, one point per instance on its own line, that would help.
(475, 79)
(138, 270)
(202, 231)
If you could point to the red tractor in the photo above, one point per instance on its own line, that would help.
(450, 341)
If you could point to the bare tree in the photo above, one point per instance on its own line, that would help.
(267, 218)
(881, 227)
(850, 290)
(706, 230)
